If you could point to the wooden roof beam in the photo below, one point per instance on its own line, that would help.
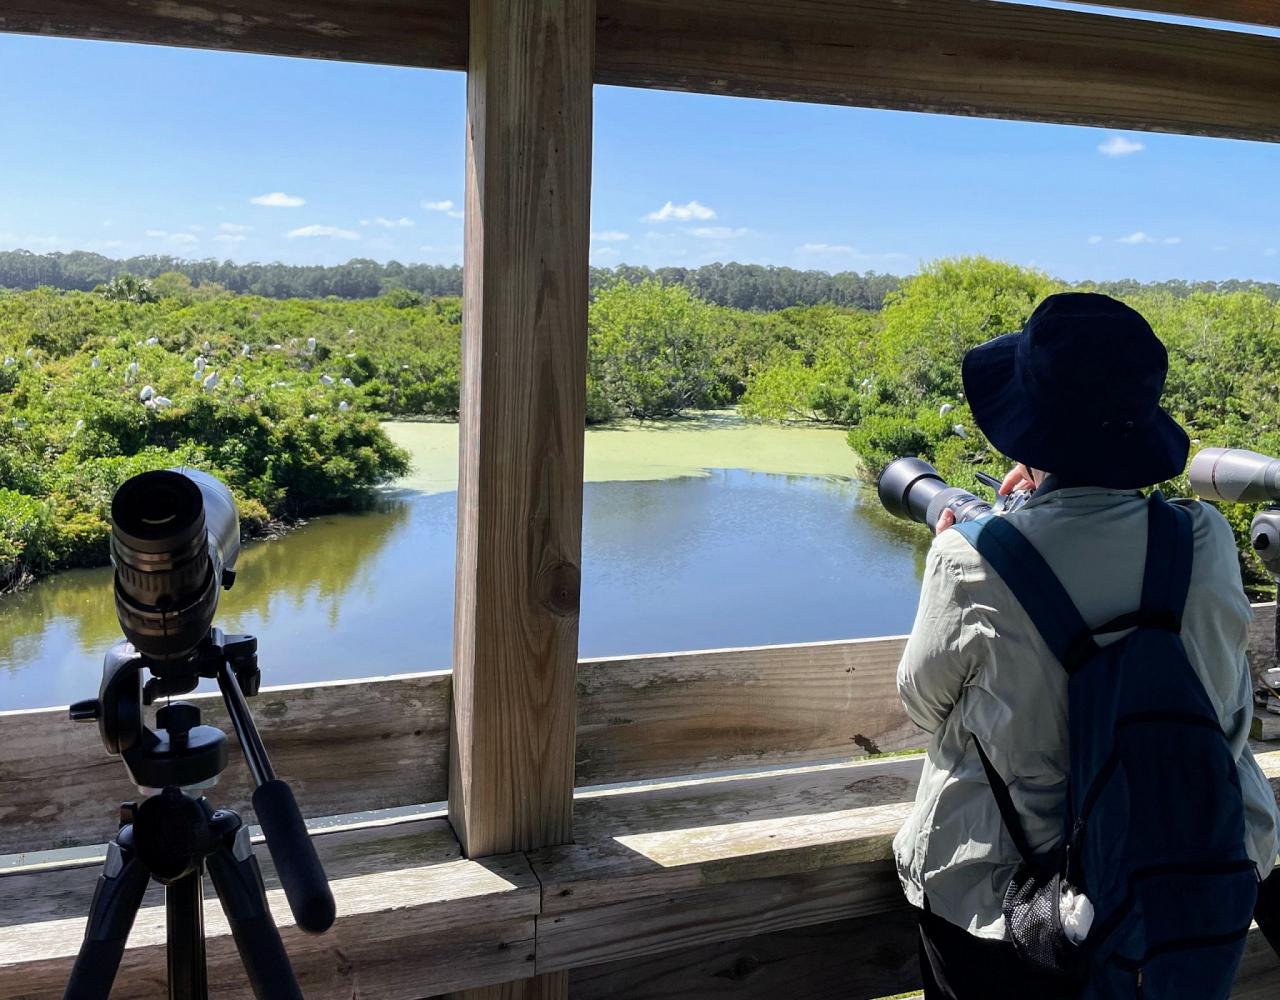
(1265, 12)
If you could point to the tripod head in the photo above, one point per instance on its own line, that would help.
(180, 751)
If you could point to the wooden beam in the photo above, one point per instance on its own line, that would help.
(968, 57)
(1266, 12)
(528, 193)
(403, 32)
(414, 918)
(344, 746)
(688, 713)
(964, 57)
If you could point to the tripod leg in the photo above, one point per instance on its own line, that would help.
(236, 876)
(184, 921)
(115, 904)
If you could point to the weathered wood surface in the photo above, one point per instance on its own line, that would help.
(967, 57)
(683, 713)
(523, 408)
(401, 889)
(1265, 12)
(409, 32)
(553, 986)
(383, 742)
(963, 57)
(343, 746)
(855, 959)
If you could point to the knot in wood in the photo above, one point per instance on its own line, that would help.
(560, 588)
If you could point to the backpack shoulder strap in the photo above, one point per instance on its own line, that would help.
(1168, 574)
(1035, 586)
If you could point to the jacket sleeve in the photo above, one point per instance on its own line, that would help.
(935, 665)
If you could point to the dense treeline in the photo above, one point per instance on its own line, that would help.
(753, 287)
(742, 286)
(894, 378)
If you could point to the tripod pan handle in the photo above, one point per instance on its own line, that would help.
(301, 874)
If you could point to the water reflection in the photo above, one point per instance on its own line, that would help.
(732, 558)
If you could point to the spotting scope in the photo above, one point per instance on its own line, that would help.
(1240, 476)
(911, 488)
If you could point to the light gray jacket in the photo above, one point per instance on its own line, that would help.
(975, 665)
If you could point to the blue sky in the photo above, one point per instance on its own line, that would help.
(131, 149)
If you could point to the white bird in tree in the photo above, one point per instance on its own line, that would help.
(152, 341)
(244, 350)
(238, 382)
(344, 406)
(96, 362)
(311, 346)
(30, 352)
(348, 382)
(10, 362)
(162, 402)
(210, 381)
(945, 409)
(78, 427)
(201, 363)
(959, 431)
(146, 394)
(312, 416)
(205, 347)
(326, 380)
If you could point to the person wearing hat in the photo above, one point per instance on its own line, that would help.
(1074, 399)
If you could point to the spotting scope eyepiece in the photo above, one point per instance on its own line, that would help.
(175, 538)
(911, 488)
(1235, 475)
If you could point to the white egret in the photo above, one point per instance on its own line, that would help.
(210, 381)
(237, 381)
(244, 350)
(146, 393)
(344, 406)
(326, 380)
(945, 409)
(161, 402)
(152, 341)
(312, 416)
(959, 431)
(96, 362)
(311, 346)
(347, 381)
(201, 363)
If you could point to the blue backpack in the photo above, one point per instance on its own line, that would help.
(1154, 830)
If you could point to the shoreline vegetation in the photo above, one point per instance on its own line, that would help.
(287, 399)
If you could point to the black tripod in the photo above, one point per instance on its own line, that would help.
(175, 835)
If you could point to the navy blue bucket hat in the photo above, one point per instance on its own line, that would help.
(1077, 393)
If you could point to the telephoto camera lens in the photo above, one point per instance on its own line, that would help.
(911, 488)
(175, 537)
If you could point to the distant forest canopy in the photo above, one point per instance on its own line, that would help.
(754, 287)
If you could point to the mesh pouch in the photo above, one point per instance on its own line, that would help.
(1034, 921)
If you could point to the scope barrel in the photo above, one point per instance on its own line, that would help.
(911, 488)
(1235, 475)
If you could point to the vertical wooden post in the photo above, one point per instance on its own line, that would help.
(523, 412)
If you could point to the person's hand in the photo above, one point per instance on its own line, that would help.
(945, 521)
(1017, 479)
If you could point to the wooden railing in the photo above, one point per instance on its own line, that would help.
(783, 854)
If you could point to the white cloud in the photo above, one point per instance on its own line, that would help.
(1095, 240)
(438, 206)
(1271, 252)
(233, 227)
(1134, 239)
(278, 199)
(599, 252)
(229, 238)
(681, 213)
(156, 233)
(824, 248)
(1118, 145)
(1171, 241)
(111, 244)
(196, 228)
(716, 232)
(107, 223)
(332, 232)
(609, 236)
(183, 238)
(391, 223)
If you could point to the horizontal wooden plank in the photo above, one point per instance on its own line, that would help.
(1266, 12)
(414, 917)
(344, 746)
(686, 713)
(383, 742)
(852, 959)
(429, 33)
(967, 57)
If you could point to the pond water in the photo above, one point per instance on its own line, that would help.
(706, 534)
